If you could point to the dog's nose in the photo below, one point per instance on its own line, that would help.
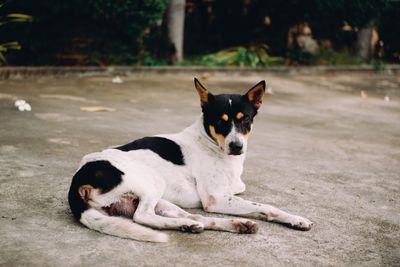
(235, 148)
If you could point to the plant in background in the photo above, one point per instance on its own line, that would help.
(254, 56)
(324, 56)
(124, 27)
(379, 64)
(92, 32)
(6, 19)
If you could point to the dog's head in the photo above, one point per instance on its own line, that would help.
(228, 118)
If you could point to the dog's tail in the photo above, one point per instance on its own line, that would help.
(121, 227)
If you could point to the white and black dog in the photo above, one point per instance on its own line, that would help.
(149, 180)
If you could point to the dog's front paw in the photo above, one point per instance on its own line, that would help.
(300, 223)
(193, 228)
(245, 226)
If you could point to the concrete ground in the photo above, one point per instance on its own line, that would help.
(318, 149)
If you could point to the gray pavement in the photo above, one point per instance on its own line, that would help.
(318, 149)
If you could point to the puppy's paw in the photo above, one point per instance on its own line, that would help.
(300, 223)
(193, 228)
(245, 226)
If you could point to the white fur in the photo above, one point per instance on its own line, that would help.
(235, 136)
(120, 227)
(209, 179)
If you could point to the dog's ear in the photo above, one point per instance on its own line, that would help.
(203, 93)
(256, 94)
(84, 191)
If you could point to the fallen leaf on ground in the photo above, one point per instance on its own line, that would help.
(117, 79)
(63, 97)
(204, 77)
(97, 109)
(364, 94)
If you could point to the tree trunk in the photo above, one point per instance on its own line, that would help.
(175, 26)
(363, 44)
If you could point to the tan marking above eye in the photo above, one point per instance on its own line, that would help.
(225, 117)
(239, 115)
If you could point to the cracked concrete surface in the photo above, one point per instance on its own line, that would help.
(318, 150)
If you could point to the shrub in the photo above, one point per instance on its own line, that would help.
(13, 45)
(254, 56)
(87, 32)
(324, 56)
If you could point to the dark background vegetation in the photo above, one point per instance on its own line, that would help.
(104, 32)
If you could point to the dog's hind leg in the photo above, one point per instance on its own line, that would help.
(145, 214)
(242, 226)
(121, 227)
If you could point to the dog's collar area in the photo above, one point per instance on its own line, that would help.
(205, 138)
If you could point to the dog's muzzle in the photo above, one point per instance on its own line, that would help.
(235, 148)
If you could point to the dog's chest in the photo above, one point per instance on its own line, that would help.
(220, 171)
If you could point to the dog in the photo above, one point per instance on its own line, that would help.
(126, 191)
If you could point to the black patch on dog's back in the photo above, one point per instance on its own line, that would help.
(99, 174)
(165, 148)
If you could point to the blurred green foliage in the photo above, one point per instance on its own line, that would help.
(130, 19)
(234, 23)
(99, 32)
(104, 32)
(324, 56)
(5, 47)
(239, 56)
(13, 45)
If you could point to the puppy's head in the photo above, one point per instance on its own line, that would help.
(228, 118)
